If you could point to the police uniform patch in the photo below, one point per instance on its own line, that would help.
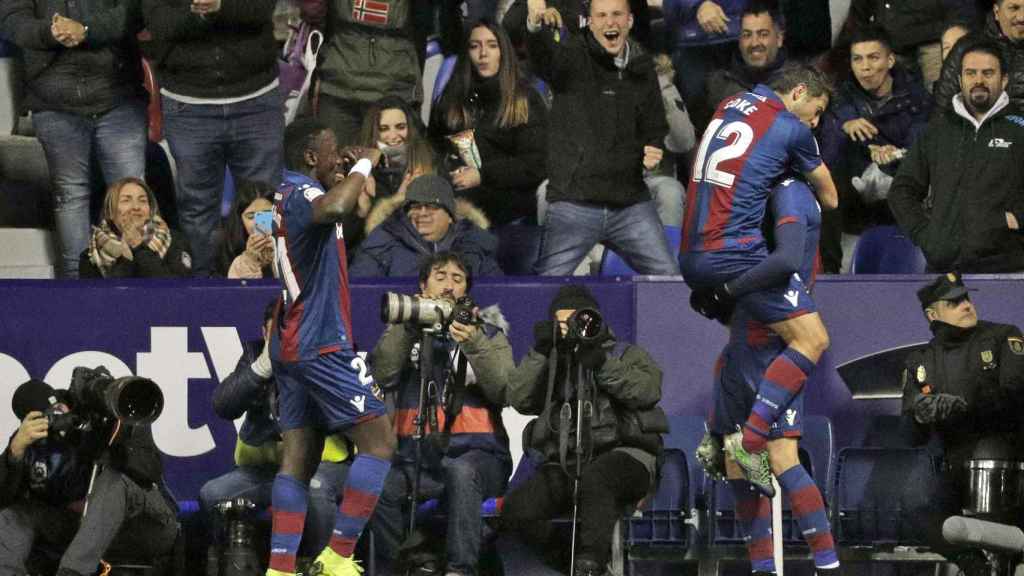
(986, 356)
(922, 375)
(1016, 345)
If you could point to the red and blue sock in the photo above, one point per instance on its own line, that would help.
(809, 510)
(289, 499)
(783, 380)
(754, 511)
(359, 498)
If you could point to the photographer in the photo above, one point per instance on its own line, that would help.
(45, 492)
(621, 441)
(464, 452)
(246, 393)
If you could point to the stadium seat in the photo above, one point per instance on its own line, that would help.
(431, 66)
(876, 494)
(613, 265)
(886, 250)
(443, 75)
(27, 253)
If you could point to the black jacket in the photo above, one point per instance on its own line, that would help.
(737, 77)
(908, 22)
(245, 393)
(513, 159)
(68, 466)
(948, 83)
(93, 78)
(984, 366)
(228, 54)
(600, 120)
(953, 190)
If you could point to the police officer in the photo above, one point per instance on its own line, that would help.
(965, 386)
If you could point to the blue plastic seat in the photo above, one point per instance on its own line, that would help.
(613, 265)
(886, 250)
(879, 492)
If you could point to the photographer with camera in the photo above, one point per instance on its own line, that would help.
(81, 475)
(246, 393)
(447, 407)
(598, 429)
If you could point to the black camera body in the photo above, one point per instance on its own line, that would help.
(433, 314)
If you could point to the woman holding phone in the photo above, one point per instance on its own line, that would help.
(246, 247)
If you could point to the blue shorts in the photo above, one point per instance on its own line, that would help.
(711, 269)
(738, 372)
(778, 304)
(331, 393)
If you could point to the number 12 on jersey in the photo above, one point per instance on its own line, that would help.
(716, 139)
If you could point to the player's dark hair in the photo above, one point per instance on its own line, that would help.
(793, 74)
(299, 136)
(443, 258)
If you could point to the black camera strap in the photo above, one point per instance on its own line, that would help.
(455, 390)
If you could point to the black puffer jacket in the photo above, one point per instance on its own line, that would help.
(89, 79)
(948, 84)
(953, 190)
(601, 118)
(513, 159)
(228, 54)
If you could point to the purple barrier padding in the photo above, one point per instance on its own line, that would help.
(187, 335)
(863, 315)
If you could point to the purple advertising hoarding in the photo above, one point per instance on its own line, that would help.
(187, 336)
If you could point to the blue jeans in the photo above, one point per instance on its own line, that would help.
(69, 140)
(255, 483)
(465, 483)
(634, 232)
(247, 137)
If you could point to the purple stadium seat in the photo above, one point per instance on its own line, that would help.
(886, 250)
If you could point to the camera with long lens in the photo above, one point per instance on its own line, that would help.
(585, 326)
(431, 313)
(131, 399)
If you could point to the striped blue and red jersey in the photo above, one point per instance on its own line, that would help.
(751, 141)
(310, 261)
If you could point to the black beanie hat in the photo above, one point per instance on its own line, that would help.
(572, 297)
(32, 395)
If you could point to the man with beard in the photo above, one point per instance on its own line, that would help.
(959, 193)
(758, 55)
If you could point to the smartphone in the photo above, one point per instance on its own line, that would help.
(264, 221)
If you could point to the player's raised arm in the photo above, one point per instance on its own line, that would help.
(342, 197)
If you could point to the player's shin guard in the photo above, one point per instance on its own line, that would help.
(288, 501)
(783, 380)
(754, 512)
(362, 489)
(809, 509)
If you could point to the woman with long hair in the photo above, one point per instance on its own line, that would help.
(492, 127)
(132, 240)
(243, 250)
(392, 125)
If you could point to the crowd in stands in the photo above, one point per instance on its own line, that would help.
(529, 128)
